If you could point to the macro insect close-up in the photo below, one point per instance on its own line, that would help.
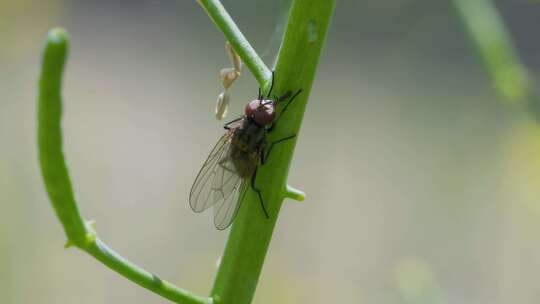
(291, 151)
(231, 168)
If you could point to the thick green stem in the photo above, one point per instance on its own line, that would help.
(251, 232)
(223, 20)
(58, 184)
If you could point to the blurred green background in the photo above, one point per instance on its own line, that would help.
(422, 183)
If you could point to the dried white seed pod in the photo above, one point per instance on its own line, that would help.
(234, 58)
(222, 105)
(227, 76)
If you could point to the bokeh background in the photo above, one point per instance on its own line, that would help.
(423, 183)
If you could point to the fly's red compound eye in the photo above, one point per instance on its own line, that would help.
(262, 112)
(264, 115)
(252, 107)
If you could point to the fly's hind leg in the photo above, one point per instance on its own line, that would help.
(253, 177)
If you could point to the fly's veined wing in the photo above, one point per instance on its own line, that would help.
(201, 196)
(218, 184)
(231, 194)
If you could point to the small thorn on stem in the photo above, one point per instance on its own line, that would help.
(69, 244)
(295, 194)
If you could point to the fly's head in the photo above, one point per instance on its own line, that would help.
(261, 111)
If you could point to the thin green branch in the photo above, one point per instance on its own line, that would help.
(251, 232)
(494, 44)
(113, 260)
(225, 23)
(58, 184)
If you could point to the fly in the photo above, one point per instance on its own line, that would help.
(231, 167)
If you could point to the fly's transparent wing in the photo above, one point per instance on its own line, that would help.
(218, 184)
(224, 213)
(201, 196)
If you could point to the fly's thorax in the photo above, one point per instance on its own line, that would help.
(246, 145)
(250, 134)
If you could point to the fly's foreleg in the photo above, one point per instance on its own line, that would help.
(260, 96)
(284, 109)
(271, 85)
(227, 126)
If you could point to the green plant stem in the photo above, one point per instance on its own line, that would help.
(494, 44)
(223, 21)
(251, 232)
(51, 156)
(114, 261)
(58, 184)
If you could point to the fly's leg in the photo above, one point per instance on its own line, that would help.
(288, 102)
(227, 125)
(284, 109)
(253, 177)
(271, 86)
(277, 99)
(260, 95)
(266, 154)
(283, 97)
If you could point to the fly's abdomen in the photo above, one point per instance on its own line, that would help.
(244, 158)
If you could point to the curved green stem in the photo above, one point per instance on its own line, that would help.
(150, 281)
(58, 183)
(251, 232)
(51, 156)
(225, 23)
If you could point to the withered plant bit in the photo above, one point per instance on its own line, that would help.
(227, 76)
